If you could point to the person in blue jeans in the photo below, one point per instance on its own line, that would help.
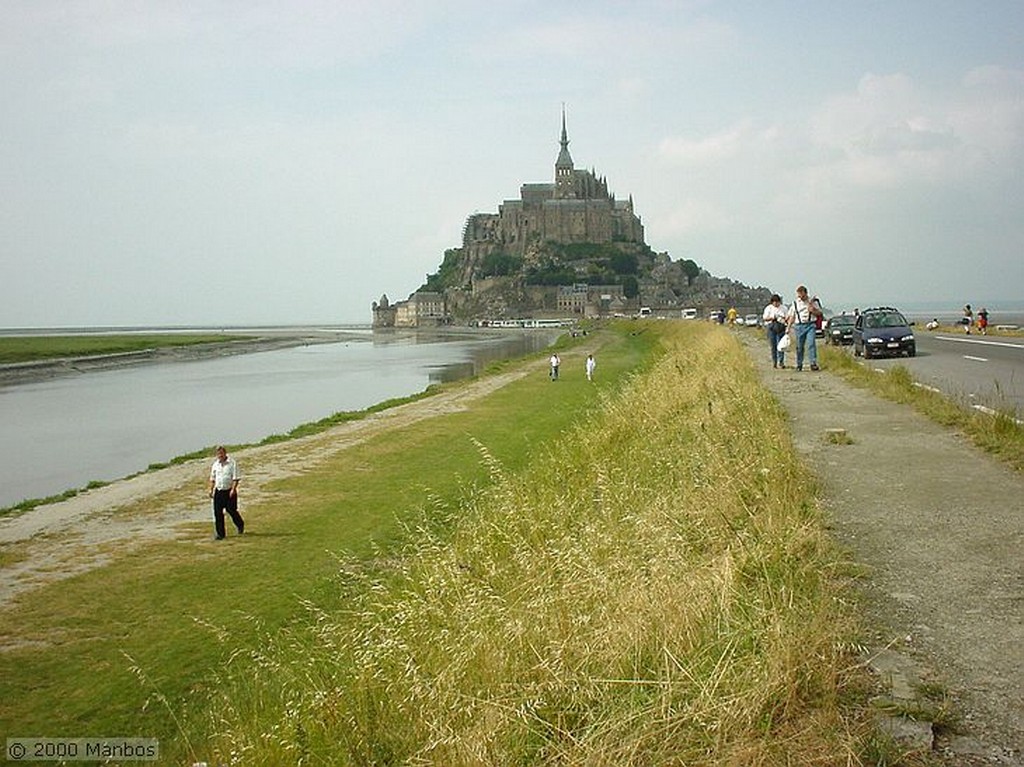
(802, 317)
(774, 319)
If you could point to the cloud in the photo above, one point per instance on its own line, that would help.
(692, 215)
(989, 111)
(724, 145)
(892, 131)
(618, 34)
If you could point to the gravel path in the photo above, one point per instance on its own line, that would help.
(938, 527)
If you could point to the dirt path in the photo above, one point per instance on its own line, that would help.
(939, 528)
(59, 540)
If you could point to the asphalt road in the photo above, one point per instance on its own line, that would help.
(983, 371)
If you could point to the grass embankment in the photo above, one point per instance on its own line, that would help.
(652, 588)
(65, 667)
(997, 434)
(36, 348)
(630, 572)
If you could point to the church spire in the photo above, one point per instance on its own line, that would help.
(564, 158)
(565, 185)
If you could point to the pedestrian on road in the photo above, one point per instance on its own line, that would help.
(774, 319)
(555, 362)
(802, 316)
(224, 479)
(591, 364)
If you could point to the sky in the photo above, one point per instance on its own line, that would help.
(218, 162)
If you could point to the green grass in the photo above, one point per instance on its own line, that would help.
(35, 348)
(997, 434)
(66, 667)
(644, 590)
(565, 573)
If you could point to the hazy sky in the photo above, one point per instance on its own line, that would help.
(201, 162)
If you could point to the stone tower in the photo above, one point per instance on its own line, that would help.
(565, 187)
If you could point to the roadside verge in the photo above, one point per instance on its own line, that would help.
(937, 527)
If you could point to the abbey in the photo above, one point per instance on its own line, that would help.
(576, 208)
(565, 249)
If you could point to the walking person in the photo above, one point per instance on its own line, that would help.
(968, 318)
(774, 319)
(802, 316)
(555, 362)
(591, 364)
(224, 479)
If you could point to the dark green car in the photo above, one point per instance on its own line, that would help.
(839, 330)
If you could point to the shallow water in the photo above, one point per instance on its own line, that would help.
(66, 432)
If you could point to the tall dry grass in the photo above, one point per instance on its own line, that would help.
(656, 589)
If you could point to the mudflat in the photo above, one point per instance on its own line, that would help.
(43, 370)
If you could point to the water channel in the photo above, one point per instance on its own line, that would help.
(63, 433)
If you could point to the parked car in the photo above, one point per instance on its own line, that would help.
(752, 320)
(881, 331)
(839, 329)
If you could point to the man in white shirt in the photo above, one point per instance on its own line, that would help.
(224, 479)
(802, 316)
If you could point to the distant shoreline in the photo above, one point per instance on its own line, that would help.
(250, 340)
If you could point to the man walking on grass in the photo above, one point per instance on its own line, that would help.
(224, 479)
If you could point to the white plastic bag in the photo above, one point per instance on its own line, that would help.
(784, 343)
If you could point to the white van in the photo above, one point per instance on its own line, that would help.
(689, 314)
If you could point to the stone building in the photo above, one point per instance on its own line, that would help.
(575, 208)
(383, 313)
(421, 309)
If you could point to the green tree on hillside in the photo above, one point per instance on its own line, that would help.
(691, 270)
(624, 263)
(447, 275)
(550, 272)
(630, 287)
(500, 264)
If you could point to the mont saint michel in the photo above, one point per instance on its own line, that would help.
(566, 249)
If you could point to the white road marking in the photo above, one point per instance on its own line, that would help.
(929, 388)
(976, 359)
(1006, 344)
(990, 411)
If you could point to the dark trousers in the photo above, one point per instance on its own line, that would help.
(224, 501)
